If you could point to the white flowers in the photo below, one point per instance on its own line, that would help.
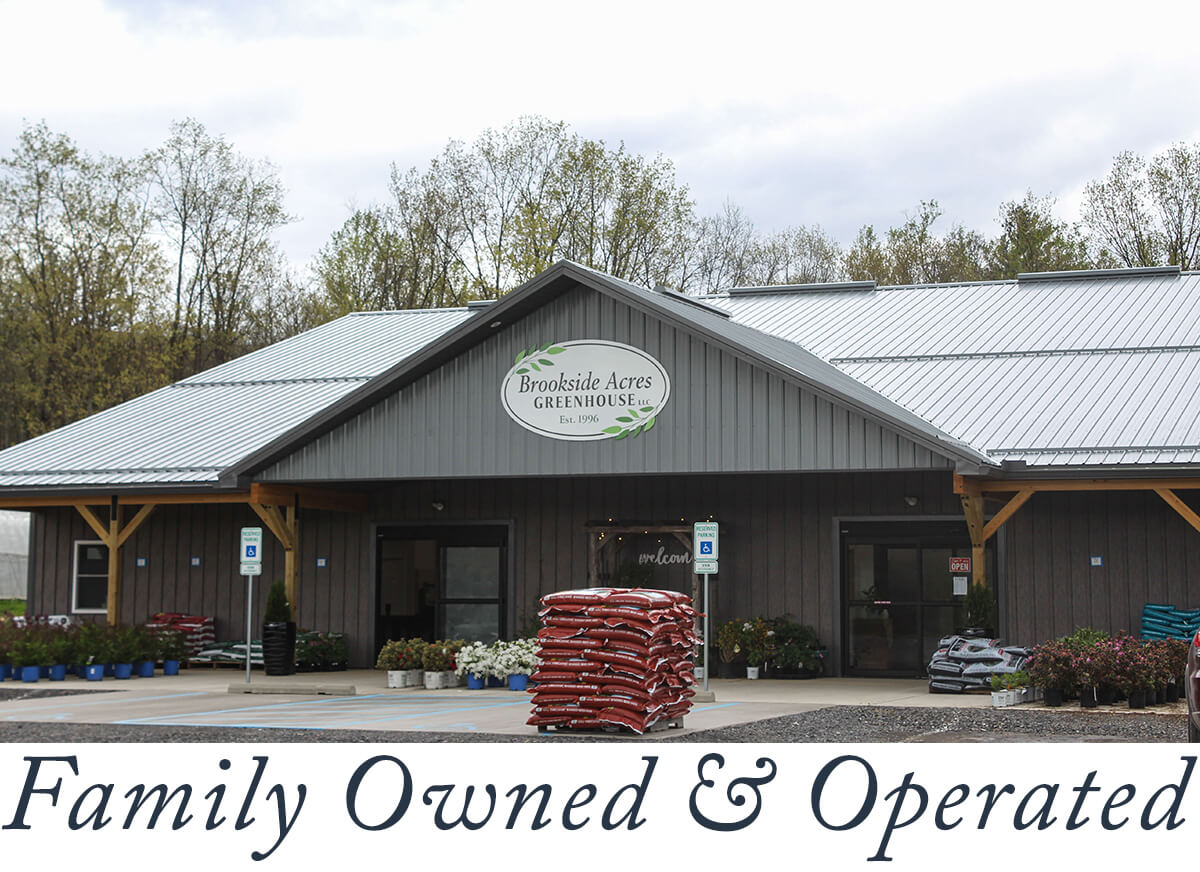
(499, 659)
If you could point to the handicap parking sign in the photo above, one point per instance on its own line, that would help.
(706, 547)
(251, 550)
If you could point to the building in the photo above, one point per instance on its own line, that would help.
(435, 472)
(14, 554)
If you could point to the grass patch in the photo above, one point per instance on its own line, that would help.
(12, 606)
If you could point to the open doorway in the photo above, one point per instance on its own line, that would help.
(444, 582)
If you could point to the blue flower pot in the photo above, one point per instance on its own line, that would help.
(474, 682)
(122, 670)
(170, 667)
(58, 673)
(146, 669)
(30, 673)
(43, 672)
(518, 682)
(95, 672)
(492, 681)
(109, 671)
(5, 671)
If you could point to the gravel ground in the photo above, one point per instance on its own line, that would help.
(833, 724)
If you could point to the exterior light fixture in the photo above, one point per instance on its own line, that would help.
(911, 501)
(437, 507)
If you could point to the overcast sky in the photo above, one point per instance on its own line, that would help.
(829, 113)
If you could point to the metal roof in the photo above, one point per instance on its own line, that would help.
(188, 432)
(1074, 369)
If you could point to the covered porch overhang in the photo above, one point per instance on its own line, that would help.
(276, 505)
(1015, 492)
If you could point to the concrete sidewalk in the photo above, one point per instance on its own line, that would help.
(358, 700)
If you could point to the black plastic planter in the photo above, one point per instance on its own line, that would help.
(279, 647)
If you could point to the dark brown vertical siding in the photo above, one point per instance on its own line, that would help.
(1150, 555)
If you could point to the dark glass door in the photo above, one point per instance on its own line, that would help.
(446, 582)
(899, 594)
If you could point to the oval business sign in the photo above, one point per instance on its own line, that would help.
(585, 389)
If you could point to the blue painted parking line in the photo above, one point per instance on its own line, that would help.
(63, 702)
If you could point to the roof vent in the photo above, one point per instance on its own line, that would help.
(1075, 274)
(812, 288)
(480, 304)
(692, 301)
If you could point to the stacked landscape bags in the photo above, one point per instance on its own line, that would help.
(961, 664)
(1167, 622)
(612, 658)
(198, 631)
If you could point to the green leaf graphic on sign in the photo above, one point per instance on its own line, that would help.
(623, 434)
(536, 368)
(612, 429)
(649, 424)
(647, 409)
(633, 413)
(520, 357)
(522, 370)
(554, 349)
(545, 362)
(624, 420)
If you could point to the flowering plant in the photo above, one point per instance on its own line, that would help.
(730, 641)
(1134, 664)
(479, 659)
(1052, 665)
(518, 657)
(402, 654)
(759, 638)
(439, 656)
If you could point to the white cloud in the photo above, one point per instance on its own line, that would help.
(838, 114)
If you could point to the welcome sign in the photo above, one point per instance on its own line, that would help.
(585, 389)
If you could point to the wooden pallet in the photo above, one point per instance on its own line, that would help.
(656, 727)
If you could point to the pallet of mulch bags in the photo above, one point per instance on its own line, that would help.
(963, 664)
(199, 631)
(614, 660)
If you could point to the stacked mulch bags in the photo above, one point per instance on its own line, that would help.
(961, 664)
(612, 658)
(198, 630)
(1161, 621)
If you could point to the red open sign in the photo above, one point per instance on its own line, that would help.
(960, 564)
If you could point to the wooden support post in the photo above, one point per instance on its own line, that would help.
(593, 558)
(972, 502)
(1010, 509)
(1185, 511)
(114, 564)
(291, 566)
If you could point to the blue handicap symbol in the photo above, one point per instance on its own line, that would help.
(251, 550)
(706, 547)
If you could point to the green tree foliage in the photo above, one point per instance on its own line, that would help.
(1147, 214)
(1032, 240)
(913, 254)
(119, 275)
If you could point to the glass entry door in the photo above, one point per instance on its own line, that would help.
(899, 594)
(446, 582)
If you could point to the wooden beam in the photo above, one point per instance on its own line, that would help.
(290, 565)
(10, 502)
(273, 518)
(135, 522)
(1180, 506)
(973, 512)
(309, 497)
(94, 523)
(114, 564)
(1010, 509)
(992, 486)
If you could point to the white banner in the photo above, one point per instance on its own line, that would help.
(602, 805)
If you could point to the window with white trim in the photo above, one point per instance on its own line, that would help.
(89, 584)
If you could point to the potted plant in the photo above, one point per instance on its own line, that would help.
(1176, 663)
(698, 662)
(318, 651)
(475, 662)
(1051, 668)
(6, 641)
(797, 651)
(403, 659)
(27, 655)
(439, 662)
(757, 635)
(278, 633)
(60, 645)
(518, 660)
(172, 648)
(979, 613)
(731, 645)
